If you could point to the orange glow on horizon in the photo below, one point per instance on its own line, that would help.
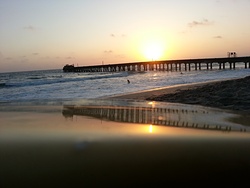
(151, 45)
(153, 50)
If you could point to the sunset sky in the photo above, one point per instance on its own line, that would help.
(47, 34)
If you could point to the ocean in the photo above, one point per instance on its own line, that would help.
(58, 85)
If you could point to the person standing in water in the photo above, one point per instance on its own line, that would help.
(128, 81)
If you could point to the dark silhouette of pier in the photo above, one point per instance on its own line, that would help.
(229, 62)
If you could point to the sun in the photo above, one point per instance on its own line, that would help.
(153, 50)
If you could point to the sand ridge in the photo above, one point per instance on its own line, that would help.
(232, 94)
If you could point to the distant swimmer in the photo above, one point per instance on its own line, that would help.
(128, 81)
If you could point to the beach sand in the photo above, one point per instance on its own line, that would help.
(230, 94)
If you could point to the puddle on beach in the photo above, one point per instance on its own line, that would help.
(118, 142)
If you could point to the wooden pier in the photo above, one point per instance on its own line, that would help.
(166, 65)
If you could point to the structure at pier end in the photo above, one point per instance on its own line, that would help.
(69, 68)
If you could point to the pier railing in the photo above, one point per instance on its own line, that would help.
(166, 65)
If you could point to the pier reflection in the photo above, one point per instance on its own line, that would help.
(177, 116)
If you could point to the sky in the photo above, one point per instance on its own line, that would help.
(48, 34)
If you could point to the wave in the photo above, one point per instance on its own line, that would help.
(2, 85)
(58, 79)
(136, 72)
(36, 78)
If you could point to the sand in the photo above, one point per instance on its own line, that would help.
(230, 94)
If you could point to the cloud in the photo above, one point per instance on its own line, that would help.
(121, 56)
(69, 57)
(29, 28)
(35, 54)
(204, 22)
(117, 35)
(108, 51)
(217, 37)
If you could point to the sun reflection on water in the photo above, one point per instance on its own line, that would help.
(152, 104)
(150, 130)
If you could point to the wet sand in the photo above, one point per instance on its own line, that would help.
(230, 94)
(44, 146)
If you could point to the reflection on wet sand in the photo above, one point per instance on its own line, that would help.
(170, 115)
(117, 144)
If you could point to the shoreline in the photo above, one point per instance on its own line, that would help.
(145, 94)
(229, 94)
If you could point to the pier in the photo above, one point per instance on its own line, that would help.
(166, 65)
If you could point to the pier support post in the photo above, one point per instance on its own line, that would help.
(133, 68)
(162, 67)
(195, 64)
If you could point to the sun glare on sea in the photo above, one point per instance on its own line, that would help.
(153, 50)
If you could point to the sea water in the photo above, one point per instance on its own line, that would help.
(58, 85)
